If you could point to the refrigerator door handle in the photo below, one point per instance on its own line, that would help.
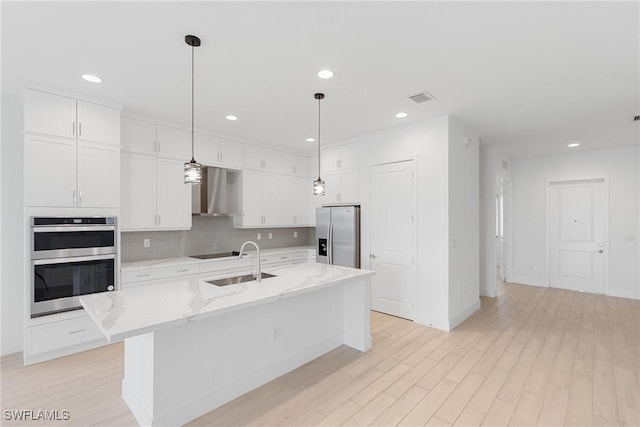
(330, 244)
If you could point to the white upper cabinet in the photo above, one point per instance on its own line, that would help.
(138, 192)
(138, 136)
(253, 157)
(341, 186)
(154, 196)
(342, 157)
(330, 159)
(173, 196)
(231, 153)
(49, 114)
(63, 116)
(259, 201)
(98, 175)
(300, 165)
(207, 149)
(302, 191)
(67, 173)
(173, 143)
(267, 160)
(50, 171)
(286, 200)
(214, 151)
(98, 123)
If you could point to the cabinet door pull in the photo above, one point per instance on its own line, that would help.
(159, 220)
(77, 331)
(79, 129)
(74, 197)
(220, 154)
(73, 128)
(183, 270)
(80, 197)
(144, 275)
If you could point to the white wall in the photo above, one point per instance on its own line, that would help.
(491, 167)
(426, 141)
(464, 239)
(11, 286)
(447, 211)
(530, 175)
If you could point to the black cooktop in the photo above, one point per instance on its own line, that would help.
(220, 255)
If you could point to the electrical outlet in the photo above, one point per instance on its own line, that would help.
(295, 234)
(146, 243)
(259, 236)
(271, 235)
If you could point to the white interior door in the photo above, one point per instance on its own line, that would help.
(393, 238)
(577, 236)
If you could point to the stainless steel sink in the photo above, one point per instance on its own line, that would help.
(238, 279)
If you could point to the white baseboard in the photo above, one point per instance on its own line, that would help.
(531, 281)
(461, 317)
(622, 294)
(486, 292)
(432, 322)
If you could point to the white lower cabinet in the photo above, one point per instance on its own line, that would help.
(61, 334)
(154, 196)
(59, 338)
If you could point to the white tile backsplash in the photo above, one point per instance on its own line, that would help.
(207, 235)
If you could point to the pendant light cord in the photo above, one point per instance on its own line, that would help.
(193, 159)
(319, 138)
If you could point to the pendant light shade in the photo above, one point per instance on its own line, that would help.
(192, 169)
(318, 184)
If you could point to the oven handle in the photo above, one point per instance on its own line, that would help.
(40, 229)
(73, 259)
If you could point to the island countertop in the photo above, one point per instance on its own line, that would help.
(123, 314)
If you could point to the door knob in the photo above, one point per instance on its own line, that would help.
(600, 251)
(372, 256)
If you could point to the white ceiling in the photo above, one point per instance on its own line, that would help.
(528, 76)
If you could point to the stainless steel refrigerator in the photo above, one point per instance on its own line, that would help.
(338, 235)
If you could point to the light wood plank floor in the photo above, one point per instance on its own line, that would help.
(531, 356)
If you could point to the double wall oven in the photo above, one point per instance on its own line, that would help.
(71, 257)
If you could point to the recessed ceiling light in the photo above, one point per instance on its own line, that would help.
(401, 115)
(310, 139)
(573, 145)
(325, 74)
(91, 78)
(231, 117)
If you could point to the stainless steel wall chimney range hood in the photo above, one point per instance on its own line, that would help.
(218, 194)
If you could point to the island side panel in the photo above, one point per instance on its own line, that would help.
(199, 366)
(357, 314)
(137, 385)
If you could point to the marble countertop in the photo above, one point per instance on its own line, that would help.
(173, 262)
(137, 311)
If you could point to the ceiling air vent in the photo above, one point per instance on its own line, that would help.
(636, 119)
(421, 97)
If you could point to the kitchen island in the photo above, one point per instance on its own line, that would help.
(191, 346)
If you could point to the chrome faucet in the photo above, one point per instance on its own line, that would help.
(258, 276)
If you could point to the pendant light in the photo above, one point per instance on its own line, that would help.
(192, 169)
(318, 184)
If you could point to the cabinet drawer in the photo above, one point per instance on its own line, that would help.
(63, 334)
(159, 274)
